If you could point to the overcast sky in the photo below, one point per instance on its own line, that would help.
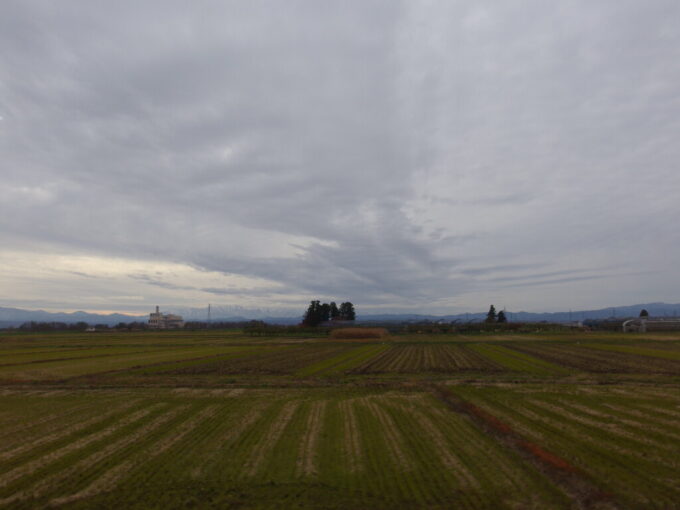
(422, 156)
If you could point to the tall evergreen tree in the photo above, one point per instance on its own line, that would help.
(325, 312)
(347, 311)
(335, 313)
(313, 314)
(501, 317)
(491, 314)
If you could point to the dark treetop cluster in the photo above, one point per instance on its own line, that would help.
(318, 313)
(492, 316)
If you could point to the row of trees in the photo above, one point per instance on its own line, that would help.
(492, 316)
(132, 326)
(318, 312)
(78, 326)
(56, 326)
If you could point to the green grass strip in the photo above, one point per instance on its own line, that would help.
(518, 361)
(642, 351)
(342, 362)
(171, 366)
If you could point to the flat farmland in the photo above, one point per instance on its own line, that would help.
(72, 363)
(211, 356)
(132, 449)
(605, 358)
(416, 358)
(145, 420)
(275, 360)
(624, 440)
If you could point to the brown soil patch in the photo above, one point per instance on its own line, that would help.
(548, 458)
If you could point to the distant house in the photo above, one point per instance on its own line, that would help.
(160, 320)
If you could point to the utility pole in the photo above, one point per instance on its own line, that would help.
(208, 313)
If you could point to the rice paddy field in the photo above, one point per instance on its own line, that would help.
(217, 419)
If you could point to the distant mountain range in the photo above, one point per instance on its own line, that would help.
(615, 312)
(15, 317)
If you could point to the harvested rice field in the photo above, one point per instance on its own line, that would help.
(222, 420)
(415, 358)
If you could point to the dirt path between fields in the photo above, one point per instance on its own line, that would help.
(583, 491)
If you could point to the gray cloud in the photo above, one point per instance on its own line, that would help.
(394, 153)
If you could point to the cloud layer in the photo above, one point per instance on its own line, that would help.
(405, 155)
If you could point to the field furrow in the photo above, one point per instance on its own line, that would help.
(609, 451)
(342, 362)
(376, 361)
(641, 422)
(307, 458)
(275, 432)
(85, 355)
(518, 361)
(638, 351)
(597, 361)
(50, 482)
(613, 433)
(14, 439)
(352, 438)
(670, 413)
(393, 436)
(428, 358)
(221, 444)
(464, 479)
(62, 433)
(621, 463)
(44, 460)
(111, 478)
(221, 419)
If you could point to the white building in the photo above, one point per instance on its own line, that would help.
(160, 320)
(644, 325)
